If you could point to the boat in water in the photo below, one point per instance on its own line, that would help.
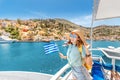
(103, 9)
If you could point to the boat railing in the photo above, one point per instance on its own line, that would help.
(57, 76)
(114, 55)
(67, 75)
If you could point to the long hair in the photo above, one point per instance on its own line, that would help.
(79, 42)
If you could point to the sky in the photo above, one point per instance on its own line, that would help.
(76, 11)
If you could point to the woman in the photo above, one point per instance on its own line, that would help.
(75, 55)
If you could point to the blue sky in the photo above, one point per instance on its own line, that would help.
(77, 11)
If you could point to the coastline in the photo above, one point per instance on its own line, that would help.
(48, 39)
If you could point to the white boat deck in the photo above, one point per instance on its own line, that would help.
(21, 75)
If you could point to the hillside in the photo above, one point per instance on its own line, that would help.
(42, 29)
(105, 32)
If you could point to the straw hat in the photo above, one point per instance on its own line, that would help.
(81, 35)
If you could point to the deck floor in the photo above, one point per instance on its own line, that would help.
(20, 75)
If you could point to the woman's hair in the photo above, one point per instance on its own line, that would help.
(78, 42)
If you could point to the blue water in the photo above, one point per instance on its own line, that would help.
(30, 56)
(104, 44)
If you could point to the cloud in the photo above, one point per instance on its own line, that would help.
(86, 21)
(114, 21)
(82, 20)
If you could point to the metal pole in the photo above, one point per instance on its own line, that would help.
(91, 32)
(113, 64)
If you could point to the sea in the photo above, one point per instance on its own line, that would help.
(30, 56)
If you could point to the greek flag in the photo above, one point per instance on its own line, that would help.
(50, 48)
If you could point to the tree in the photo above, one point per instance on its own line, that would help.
(13, 32)
(19, 21)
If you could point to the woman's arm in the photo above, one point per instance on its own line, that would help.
(87, 51)
(62, 56)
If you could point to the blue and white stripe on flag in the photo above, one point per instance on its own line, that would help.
(50, 48)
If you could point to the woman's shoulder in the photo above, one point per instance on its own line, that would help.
(69, 45)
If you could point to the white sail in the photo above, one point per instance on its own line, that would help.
(105, 9)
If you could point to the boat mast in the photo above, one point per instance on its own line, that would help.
(91, 26)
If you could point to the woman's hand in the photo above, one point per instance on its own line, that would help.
(87, 46)
(62, 56)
